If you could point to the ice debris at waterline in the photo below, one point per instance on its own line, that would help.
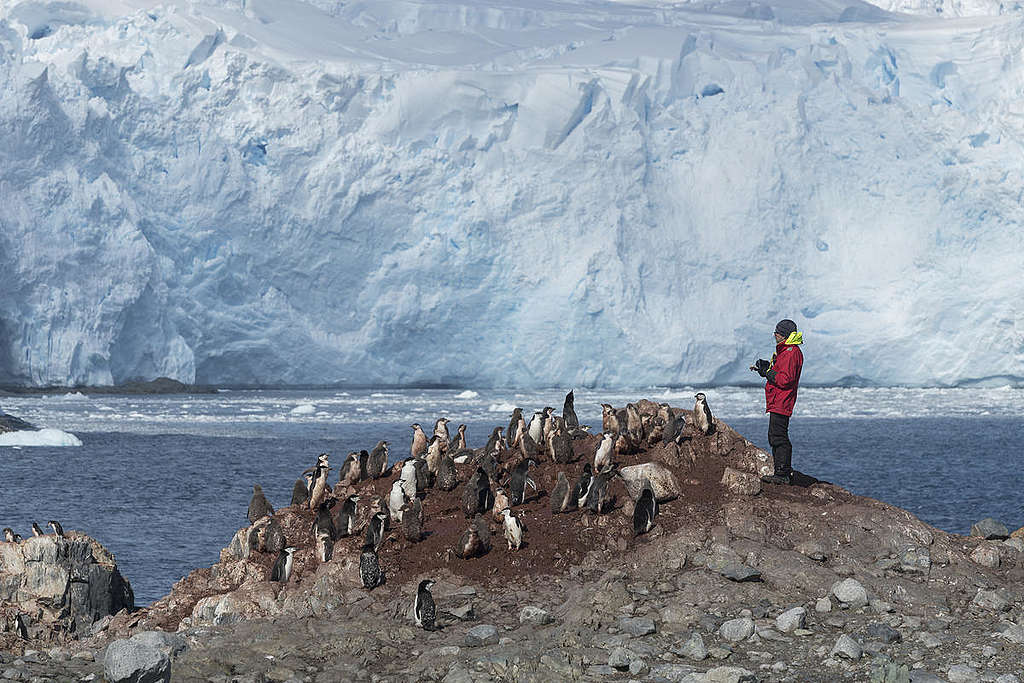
(41, 437)
(283, 192)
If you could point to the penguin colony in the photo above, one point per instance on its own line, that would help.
(499, 481)
(11, 537)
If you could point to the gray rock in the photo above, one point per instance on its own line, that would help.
(448, 650)
(693, 648)
(986, 556)
(662, 480)
(620, 658)
(990, 529)
(924, 677)
(737, 571)
(883, 633)
(742, 483)
(962, 673)
(484, 634)
(171, 644)
(791, 619)
(929, 640)
(535, 616)
(636, 626)
(128, 661)
(847, 647)
(813, 549)
(638, 667)
(991, 600)
(823, 605)
(851, 592)
(736, 630)
(1007, 678)
(601, 670)
(1014, 633)
(729, 674)
(885, 671)
(915, 561)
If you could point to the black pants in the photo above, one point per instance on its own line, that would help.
(782, 447)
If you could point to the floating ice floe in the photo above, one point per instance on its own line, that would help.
(468, 393)
(43, 437)
(304, 409)
(500, 408)
(74, 396)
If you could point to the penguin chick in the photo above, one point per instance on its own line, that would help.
(375, 530)
(412, 521)
(419, 440)
(369, 567)
(345, 523)
(500, 503)
(560, 495)
(603, 455)
(259, 507)
(423, 608)
(349, 474)
(513, 530)
(581, 487)
(9, 534)
(376, 464)
(300, 491)
(282, 569)
(645, 511)
(569, 410)
(396, 500)
(447, 475)
(519, 481)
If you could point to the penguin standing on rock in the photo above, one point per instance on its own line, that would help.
(598, 498)
(412, 521)
(377, 463)
(581, 487)
(447, 475)
(569, 411)
(36, 531)
(375, 530)
(364, 463)
(512, 433)
(519, 481)
(419, 440)
(259, 507)
(345, 524)
(318, 487)
(369, 567)
(513, 530)
(494, 442)
(702, 415)
(560, 443)
(459, 443)
(57, 528)
(475, 541)
(477, 495)
(300, 491)
(500, 503)
(282, 569)
(349, 474)
(441, 431)
(560, 495)
(396, 501)
(645, 510)
(9, 534)
(324, 531)
(408, 478)
(423, 608)
(605, 450)
(273, 536)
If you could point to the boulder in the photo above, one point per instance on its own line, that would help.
(535, 616)
(848, 648)
(9, 423)
(665, 486)
(791, 619)
(736, 630)
(850, 592)
(484, 634)
(991, 529)
(742, 483)
(128, 661)
(986, 556)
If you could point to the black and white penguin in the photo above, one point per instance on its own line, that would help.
(569, 411)
(519, 480)
(513, 530)
(582, 486)
(300, 490)
(419, 440)
(383, 509)
(459, 443)
(598, 498)
(433, 456)
(9, 534)
(273, 536)
(377, 464)
(560, 495)
(494, 441)
(424, 610)
(424, 477)
(57, 528)
(349, 474)
(528, 446)
(674, 424)
(489, 464)
(536, 428)
(477, 495)
(396, 500)
(375, 530)
(408, 478)
(441, 431)
(324, 531)
(345, 522)
(447, 475)
(412, 521)
(259, 506)
(645, 510)
(560, 443)
(282, 569)
(318, 486)
(364, 461)
(512, 433)
(702, 417)
(369, 567)
(605, 451)
(36, 531)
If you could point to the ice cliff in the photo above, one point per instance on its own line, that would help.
(534, 192)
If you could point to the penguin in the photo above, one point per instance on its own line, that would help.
(318, 486)
(256, 539)
(324, 531)
(273, 536)
(475, 541)
(569, 410)
(423, 608)
(598, 498)
(645, 510)
(375, 530)
(434, 453)
(494, 442)
(549, 424)
(9, 534)
(441, 431)
(376, 464)
(489, 465)
(408, 478)
(36, 531)
(560, 495)
(673, 426)
(364, 461)
(349, 474)
(527, 445)
(476, 491)
(20, 626)
(560, 443)
(396, 500)
(581, 487)
(282, 569)
(609, 419)
(424, 477)
(345, 523)
(511, 434)
(603, 456)
(460, 442)
(419, 440)
(57, 528)
(259, 506)
(513, 530)
(500, 503)
(519, 481)
(384, 509)
(412, 521)
(536, 428)
(447, 475)
(300, 491)
(634, 423)
(369, 567)
(702, 415)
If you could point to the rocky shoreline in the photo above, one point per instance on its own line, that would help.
(738, 581)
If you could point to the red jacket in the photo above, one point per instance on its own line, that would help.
(780, 395)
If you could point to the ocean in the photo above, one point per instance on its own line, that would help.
(164, 481)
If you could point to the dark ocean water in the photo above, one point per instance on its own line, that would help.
(167, 503)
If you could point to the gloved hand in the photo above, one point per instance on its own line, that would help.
(761, 366)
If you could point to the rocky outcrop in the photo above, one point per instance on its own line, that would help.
(54, 588)
(9, 423)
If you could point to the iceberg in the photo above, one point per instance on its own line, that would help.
(277, 192)
(42, 437)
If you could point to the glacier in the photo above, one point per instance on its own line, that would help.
(520, 193)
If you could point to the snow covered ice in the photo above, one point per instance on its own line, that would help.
(509, 194)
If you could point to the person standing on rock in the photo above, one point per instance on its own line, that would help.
(782, 373)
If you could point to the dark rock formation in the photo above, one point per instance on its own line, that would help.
(9, 423)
